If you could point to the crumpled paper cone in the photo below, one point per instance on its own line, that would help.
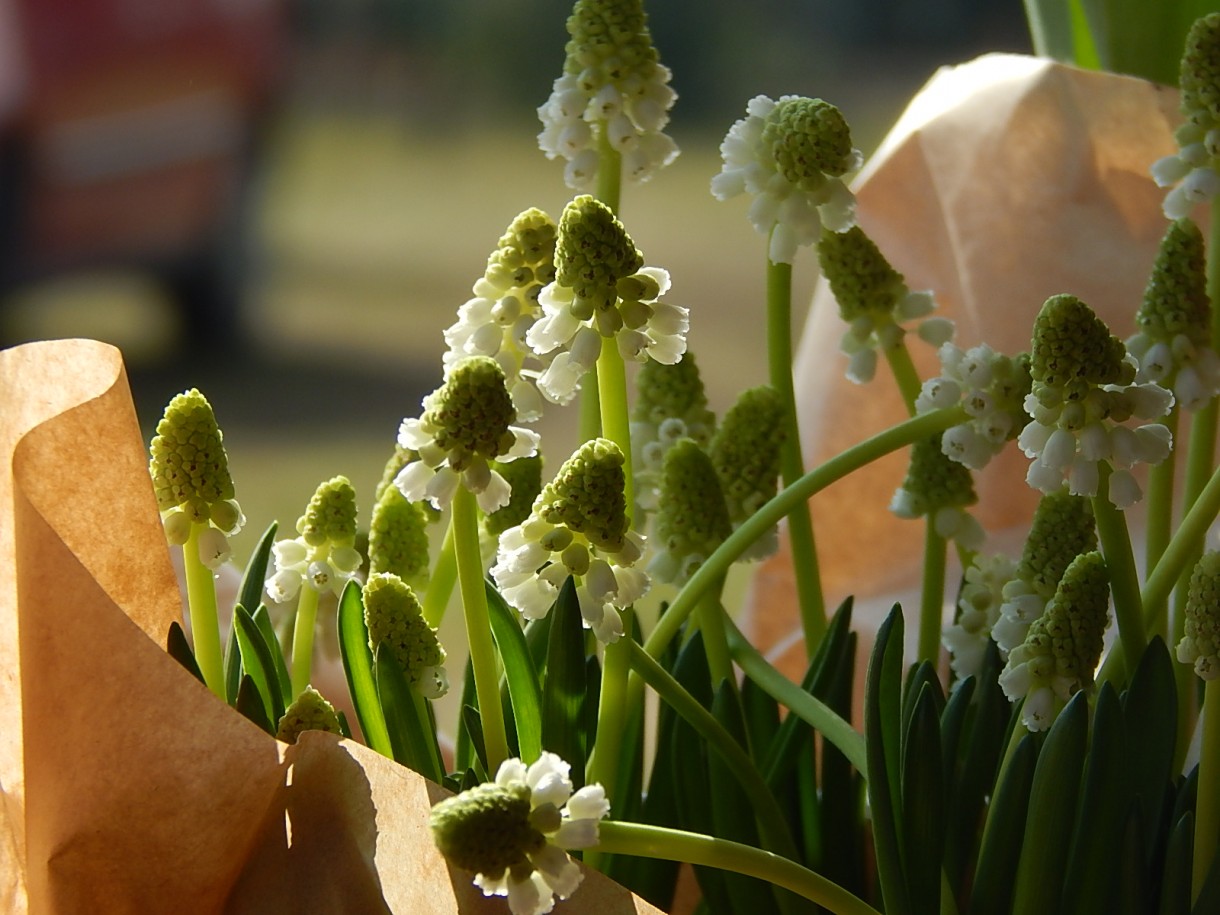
(127, 786)
(1007, 180)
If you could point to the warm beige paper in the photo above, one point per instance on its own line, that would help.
(127, 786)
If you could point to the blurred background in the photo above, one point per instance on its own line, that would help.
(283, 202)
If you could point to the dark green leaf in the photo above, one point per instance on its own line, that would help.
(258, 661)
(412, 741)
(1128, 888)
(262, 619)
(250, 704)
(180, 650)
(1175, 878)
(563, 696)
(842, 797)
(1000, 849)
(472, 723)
(249, 595)
(923, 814)
(1150, 711)
(358, 668)
(524, 691)
(344, 728)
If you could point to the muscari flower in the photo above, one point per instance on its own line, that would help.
(671, 406)
(578, 526)
(324, 556)
(792, 156)
(692, 518)
(191, 481)
(1083, 389)
(873, 300)
(514, 832)
(1193, 171)
(398, 537)
(978, 610)
(394, 618)
(746, 454)
(1200, 645)
(939, 488)
(505, 305)
(613, 85)
(992, 387)
(309, 712)
(601, 289)
(1173, 344)
(1061, 651)
(467, 423)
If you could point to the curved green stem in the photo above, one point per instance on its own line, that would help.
(1184, 547)
(932, 598)
(1120, 563)
(792, 464)
(303, 628)
(711, 618)
(440, 584)
(201, 604)
(465, 523)
(676, 845)
(903, 369)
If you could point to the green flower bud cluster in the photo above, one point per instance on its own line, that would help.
(487, 829)
(862, 280)
(309, 712)
(398, 537)
(746, 451)
(592, 254)
(809, 139)
(587, 495)
(934, 481)
(1062, 529)
(1073, 352)
(394, 618)
(1200, 645)
(524, 259)
(1070, 633)
(692, 518)
(189, 466)
(1199, 78)
(667, 392)
(471, 413)
(610, 43)
(524, 475)
(1175, 300)
(330, 516)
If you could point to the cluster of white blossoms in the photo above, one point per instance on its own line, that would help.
(1194, 171)
(613, 87)
(467, 423)
(1083, 390)
(324, 555)
(940, 489)
(792, 156)
(513, 833)
(578, 526)
(978, 606)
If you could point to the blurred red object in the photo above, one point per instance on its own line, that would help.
(129, 137)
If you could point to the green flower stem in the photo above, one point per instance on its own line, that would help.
(589, 422)
(465, 523)
(1207, 808)
(201, 601)
(903, 369)
(772, 825)
(441, 582)
(1183, 549)
(604, 764)
(792, 464)
(808, 708)
(616, 418)
(675, 845)
(711, 623)
(427, 724)
(1160, 520)
(609, 170)
(932, 598)
(302, 638)
(1124, 579)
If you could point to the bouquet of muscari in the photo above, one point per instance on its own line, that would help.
(1036, 774)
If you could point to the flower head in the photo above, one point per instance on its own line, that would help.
(613, 87)
(692, 518)
(746, 454)
(309, 712)
(578, 526)
(1200, 645)
(671, 406)
(398, 537)
(466, 424)
(978, 610)
(394, 619)
(513, 833)
(939, 488)
(524, 476)
(324, 557)
(791, 155)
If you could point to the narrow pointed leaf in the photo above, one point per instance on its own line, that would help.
(1175, 878)
(1150, 710)
(258, 661)
(524, 691)
(262, 619)
(563, 695)
(180, 650)
(249, 595)
(413, 744)
(358, 668)
(250, 704)
(923, 817)
(1000, 850)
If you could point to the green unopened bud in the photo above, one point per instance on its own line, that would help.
(674, 392)
(487, 829)
(610, 43)
(471, 412)
(692, 517)
(525, 255)
(398, 537)
(310, 712)
(746, 451)
(1199, 77)
(1072, 628)
(1062, 529)
(331, 514)
(593, 252)
(1175, 300)
(1073, 349)
(394, 618)
(862, 280)
(524, 476)
(809, 139)
(1200, 645)
(934, 481)
(189, 464)
(587, 495)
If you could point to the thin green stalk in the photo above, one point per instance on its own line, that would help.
(1160, 523)
(302, 638)
(1183, 550)
(792, 465)
(465, 521)
(903, 369)
(1207, 808)
(675, 845)
(616, 417)
(441, 582)
(612, 705)
(609, 170)
(205, 624)
(932, 598)
(589, 423)
(1120, 563)
(711, 624)
(427, 726)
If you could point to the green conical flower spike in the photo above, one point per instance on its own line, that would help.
(1082, 390)
(394, 619)
(792, 156)
(190, 475)
(746, 454)
(671, 406)
(308, 712)
(692, 518)
(941, 488)
(1200, 645)
(1173, 345)
(873, 300)
(513, 833)
(1194, 168)
(1064, 645)
(524, 476)
(467, 423)
(505, 304)
(398, 537)
(601, 289)
(1062, 529)
(579, 527)
(613, 91)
